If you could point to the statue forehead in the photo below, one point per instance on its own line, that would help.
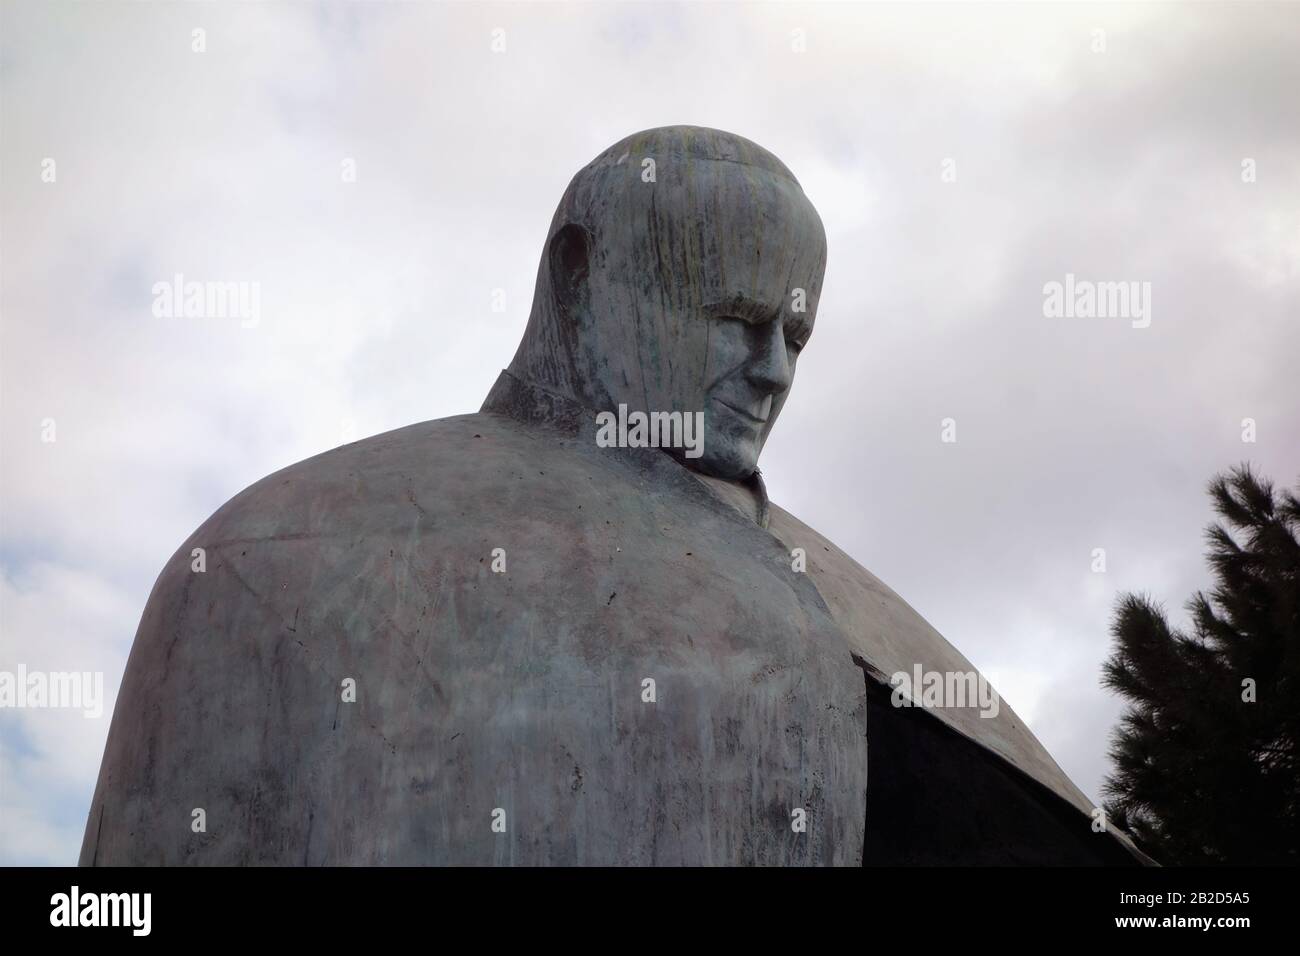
(692, 142)
(722, 222)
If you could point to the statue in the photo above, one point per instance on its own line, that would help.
(571, 628)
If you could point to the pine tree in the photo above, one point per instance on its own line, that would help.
(1206, 768)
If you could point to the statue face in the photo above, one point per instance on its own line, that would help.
(750, 368)
(689, 292)
(701, 302)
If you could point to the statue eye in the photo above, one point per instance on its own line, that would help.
(794, 345)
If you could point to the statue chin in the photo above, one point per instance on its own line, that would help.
(730, 463)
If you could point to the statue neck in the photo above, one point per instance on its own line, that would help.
(533, 404)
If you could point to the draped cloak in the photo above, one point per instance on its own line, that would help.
(637, 676)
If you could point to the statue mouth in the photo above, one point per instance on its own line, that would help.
(743, 413)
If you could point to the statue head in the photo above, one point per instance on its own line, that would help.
(681, 273)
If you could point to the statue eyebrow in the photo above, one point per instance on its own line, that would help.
(797, 325)
(741, 306)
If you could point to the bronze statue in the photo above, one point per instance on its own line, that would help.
(571, 628)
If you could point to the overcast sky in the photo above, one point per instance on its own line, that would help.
(1114, 156)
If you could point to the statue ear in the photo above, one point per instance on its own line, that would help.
(570, 258)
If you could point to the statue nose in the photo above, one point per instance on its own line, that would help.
(769, 368)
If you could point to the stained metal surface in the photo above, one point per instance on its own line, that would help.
(499, 590)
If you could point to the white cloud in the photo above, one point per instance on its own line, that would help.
(376, 294)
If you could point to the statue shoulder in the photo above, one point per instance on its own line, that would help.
(424, 481)
(886, 633)
(887, 636)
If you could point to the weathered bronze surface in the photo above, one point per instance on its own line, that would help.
(566, 653)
